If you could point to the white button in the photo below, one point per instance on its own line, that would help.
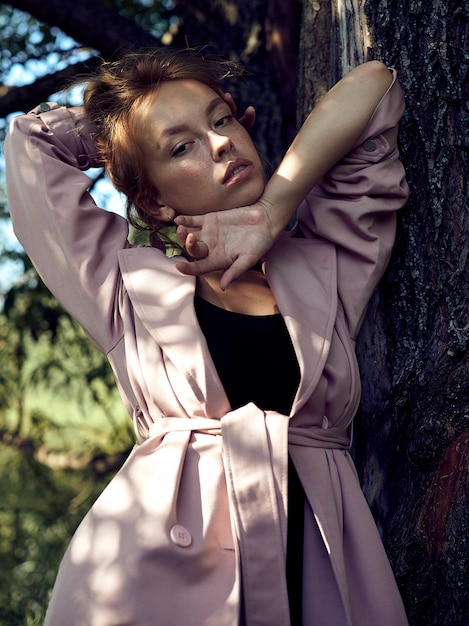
(180, 536)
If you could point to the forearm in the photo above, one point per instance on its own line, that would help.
(70, 241)
(237, 239)
(330, 131)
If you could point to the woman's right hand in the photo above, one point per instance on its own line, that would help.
(248, 118)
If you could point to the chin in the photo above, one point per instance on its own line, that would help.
(252, 198)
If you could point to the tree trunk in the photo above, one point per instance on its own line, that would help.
(412, 432)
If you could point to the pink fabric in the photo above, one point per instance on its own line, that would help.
(199, 507)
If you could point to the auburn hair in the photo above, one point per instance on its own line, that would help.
(111, 97)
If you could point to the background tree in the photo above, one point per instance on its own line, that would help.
(417, 331)
(412, 436)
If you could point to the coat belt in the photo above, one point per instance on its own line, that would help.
(255, 453)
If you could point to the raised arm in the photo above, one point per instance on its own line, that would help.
(237, 239)
(72, 243)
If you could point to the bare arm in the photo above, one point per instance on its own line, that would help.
(234, 240)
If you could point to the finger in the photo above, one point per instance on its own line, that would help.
(195, 248)
(190, 221)
(249, 118)
(195, 268)
(183, 233)
(238, 267)
(186, 268)
(230, 101)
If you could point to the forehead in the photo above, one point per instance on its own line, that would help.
(180, 89)
(175, 102)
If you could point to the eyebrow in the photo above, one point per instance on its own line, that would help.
(174, 130)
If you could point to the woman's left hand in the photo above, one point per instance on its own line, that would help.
(232, 240)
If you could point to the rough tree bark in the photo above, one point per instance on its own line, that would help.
(412, 432)
(425, 312)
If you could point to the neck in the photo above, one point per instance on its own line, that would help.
(250, 294)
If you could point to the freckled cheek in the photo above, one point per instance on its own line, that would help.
(190, 188)
(183, 179)
(202, 176)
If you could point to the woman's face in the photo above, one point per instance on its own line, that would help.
(197, 154)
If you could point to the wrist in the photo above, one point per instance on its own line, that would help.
(279, 206)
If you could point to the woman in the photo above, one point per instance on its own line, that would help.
(240, 503)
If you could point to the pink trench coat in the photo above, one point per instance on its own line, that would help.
(199, 507)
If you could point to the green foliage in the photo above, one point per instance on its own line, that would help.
(58, 407)
(27, 38)
(27, 41)
(49, 363)
(39, 511)
(155, 16)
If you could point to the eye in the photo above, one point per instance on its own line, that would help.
(180, 149)
(223, 121)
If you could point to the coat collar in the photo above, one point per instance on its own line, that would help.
(162, 299)
(302, 276)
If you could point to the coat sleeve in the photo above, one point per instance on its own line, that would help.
(72, 243)
(354, 206)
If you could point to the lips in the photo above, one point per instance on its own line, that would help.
(234, 167)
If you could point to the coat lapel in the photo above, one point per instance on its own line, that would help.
(163, 300)
(302, 275)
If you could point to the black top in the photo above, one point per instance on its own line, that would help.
(253, 355)
(256, 362)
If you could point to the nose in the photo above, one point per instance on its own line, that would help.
(219, 145)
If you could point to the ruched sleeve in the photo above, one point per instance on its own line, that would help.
(354, 206)
(72, 243)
